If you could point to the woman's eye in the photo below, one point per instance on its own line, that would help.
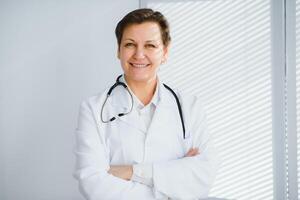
(150, 46)
(129, 44)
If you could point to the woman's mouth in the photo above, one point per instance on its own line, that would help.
(139, 65)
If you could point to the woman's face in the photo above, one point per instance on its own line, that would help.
(142, 51)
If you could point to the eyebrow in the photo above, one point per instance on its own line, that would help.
(146, 41)
(151, 41)
(130, 39)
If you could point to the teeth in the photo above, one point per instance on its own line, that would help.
(139, 65)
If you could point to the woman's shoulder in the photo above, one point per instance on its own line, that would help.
(191, 101)
(95, 99)
(191, 105)
(185, 97)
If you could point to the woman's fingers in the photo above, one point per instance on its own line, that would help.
(121, 171)
(192, 152)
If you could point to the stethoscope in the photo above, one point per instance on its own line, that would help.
(119, 83)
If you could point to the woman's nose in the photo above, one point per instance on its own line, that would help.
(139, 53)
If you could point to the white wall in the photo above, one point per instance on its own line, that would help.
(53, 54)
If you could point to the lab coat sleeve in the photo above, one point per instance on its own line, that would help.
(142, 173)
(189, 177)
(92, 164)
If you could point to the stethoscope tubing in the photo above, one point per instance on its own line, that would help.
(119, 83)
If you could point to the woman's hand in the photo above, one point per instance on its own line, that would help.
(192, 152)
(121, 171)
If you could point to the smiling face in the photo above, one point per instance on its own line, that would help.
(141, 52)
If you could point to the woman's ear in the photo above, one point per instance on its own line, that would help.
(166, 52)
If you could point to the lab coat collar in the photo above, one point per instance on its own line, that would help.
(121, 98)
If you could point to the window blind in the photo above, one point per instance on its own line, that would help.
(221, 52)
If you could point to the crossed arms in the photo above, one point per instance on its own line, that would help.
(189, 177)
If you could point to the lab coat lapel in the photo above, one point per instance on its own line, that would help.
(164, 114)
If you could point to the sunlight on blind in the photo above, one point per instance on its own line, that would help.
(298, 87)
(221, 52)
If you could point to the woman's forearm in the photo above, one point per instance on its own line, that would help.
(126, 171)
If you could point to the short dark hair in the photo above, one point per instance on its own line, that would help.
(144, 15)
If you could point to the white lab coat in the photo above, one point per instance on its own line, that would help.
(125, 142)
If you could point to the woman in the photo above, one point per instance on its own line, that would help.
(158, 147)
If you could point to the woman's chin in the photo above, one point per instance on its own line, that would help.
(140, 78)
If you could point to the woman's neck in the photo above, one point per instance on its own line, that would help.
(144, 91)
